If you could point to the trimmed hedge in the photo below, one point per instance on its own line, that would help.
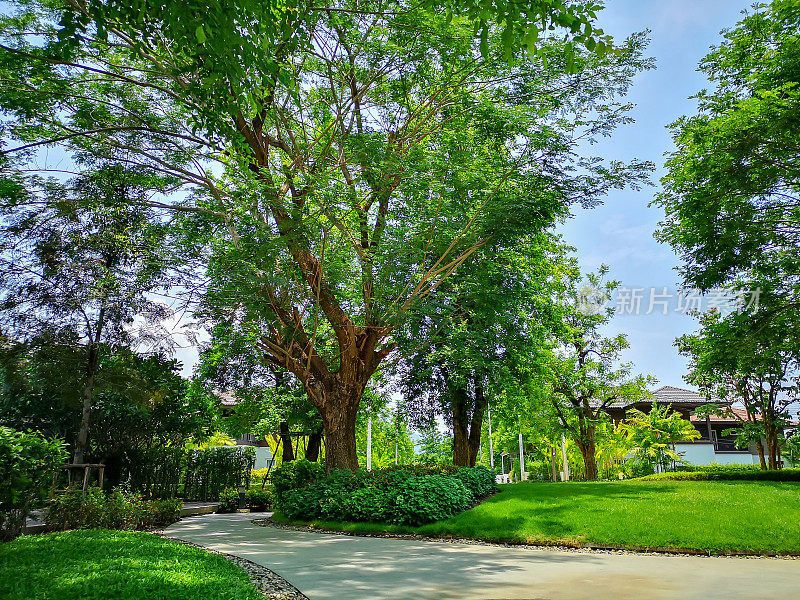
(212, 470)
(723, 473)
(402, 496)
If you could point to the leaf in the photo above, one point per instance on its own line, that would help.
(201, 34)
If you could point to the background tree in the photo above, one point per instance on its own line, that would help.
(78, 263)
(476, 330)
(583, 369)
(757, 369)
(347, 140)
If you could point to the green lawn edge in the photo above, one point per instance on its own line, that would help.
(695, 517)
(98, 564)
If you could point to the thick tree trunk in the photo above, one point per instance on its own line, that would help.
(82, 441)
(314, 444)
(340, 439)
(460, 428)
(587, 448)
(287, 454)
(466, 426)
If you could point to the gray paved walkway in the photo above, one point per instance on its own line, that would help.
(355, 568)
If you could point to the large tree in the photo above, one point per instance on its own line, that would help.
(349, 157)
(732, 190)
(78, 263)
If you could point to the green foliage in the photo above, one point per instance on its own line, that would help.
(717, 517)
(229, 500)
(98, 565)
(731, 191)
(727, 473)
(259, 499)
(434, 446)
(155, 472)
(210, 471)
(653, 435)
(583, 369)
(119, 509)
(355, 176)
(295, 475)
(403, 496)
(27, 464)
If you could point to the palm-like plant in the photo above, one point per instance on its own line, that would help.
(653, 435)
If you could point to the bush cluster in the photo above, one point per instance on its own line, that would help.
(728, 473)
(76, 509)
(402, 496)
(27, 464)
(255, 498)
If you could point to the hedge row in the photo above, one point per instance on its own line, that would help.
(727, 474)
(402, 496)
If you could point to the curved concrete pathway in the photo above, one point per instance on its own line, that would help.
(343, 567)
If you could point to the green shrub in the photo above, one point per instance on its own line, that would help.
(412, 496)
(721, 474)
(259, 499)
(294, 475)
(92, 509)
(228, 500)
(27, 464)
(210, 471)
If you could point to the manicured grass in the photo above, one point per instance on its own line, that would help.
(712, 516)
(99, 564)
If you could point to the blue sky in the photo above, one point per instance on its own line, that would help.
(619, 233)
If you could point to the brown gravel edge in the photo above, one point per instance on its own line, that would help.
(269, 583)
(560, 546)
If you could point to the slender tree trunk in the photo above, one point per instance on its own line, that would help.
(286, 443)
(761, 458)
(314, 444)
(81, 443)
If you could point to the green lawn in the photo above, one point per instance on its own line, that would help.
(714, 516)
(98, 564)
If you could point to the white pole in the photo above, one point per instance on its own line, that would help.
(395, 454)
(564, 457)
(521, 459)
(491, 445)
(369, 443)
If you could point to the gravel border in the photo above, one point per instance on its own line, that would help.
(577, 547)
(269, 583)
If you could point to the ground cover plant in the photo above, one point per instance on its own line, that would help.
(75, 509)
(101, 564)
(401, 496)
(717, 517)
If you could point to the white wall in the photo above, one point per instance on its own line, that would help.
(704, 454)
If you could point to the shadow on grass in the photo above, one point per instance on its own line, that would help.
(97, 564)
